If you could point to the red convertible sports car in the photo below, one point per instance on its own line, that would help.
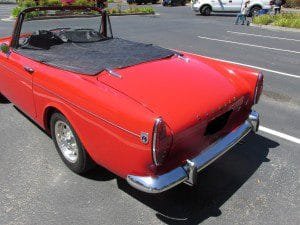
(151, 115)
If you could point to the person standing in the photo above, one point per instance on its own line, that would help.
(243, 14)
(277, 5)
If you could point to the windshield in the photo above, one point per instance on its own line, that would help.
(44, 28)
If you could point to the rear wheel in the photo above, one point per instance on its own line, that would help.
(68, 145)
(206, 10)
(254, 10)
(183, 3)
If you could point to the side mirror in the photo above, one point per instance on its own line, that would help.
(4, 48)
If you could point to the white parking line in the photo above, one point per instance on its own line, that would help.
(258, 35)
(256, 67)
(279, 134)
(246, 44)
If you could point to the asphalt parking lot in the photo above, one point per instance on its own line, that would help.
(255, 183)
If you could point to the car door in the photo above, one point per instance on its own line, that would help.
(218, 5)
(235, 5)
(16, 81)
(221, 5)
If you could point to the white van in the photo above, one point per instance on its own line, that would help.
(205, 7)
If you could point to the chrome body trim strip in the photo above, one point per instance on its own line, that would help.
(87, 111)
(17, 74)
(186, 173)
(67, 101)
(70, 103)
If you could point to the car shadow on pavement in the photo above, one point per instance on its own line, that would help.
(100, 174)
(220, 14)
(4, 100)
(216, 184)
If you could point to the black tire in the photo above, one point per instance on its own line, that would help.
(183, 3)
(254, 10)
(206, 10)
(84, 162)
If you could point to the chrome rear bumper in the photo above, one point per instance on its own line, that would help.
(188, 172)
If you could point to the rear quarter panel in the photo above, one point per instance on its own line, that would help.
(107, 122)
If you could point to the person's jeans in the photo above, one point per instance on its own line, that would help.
(277, 10)
(241, 17)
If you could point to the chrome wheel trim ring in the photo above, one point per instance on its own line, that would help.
(66, 141)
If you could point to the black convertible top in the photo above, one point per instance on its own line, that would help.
(94, 57)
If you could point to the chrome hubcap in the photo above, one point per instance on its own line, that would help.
(66, 141)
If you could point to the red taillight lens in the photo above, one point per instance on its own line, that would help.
(259, 87)
(162, 142)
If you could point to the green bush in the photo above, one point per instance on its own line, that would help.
(27, 3)
(113, 11)
(134, 9)
(263, 19)
(83, 3)
(21, 6)
(16, 11)
(283, 20)
(149, 10)
(50, 3)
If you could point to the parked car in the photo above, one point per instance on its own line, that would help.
(173, 2)
(206, 7)
(155, 119)
(139, 2)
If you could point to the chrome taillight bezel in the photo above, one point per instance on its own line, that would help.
(154, 141)
(160, 122)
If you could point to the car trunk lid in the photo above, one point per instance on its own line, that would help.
(180, 90)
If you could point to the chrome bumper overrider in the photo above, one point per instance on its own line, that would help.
(188, 172)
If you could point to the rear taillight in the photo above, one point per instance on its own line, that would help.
(258, 88)
(162, 141)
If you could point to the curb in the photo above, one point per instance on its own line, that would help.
(275, 28)
(133, 14)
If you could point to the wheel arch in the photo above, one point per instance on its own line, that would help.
(52, 108)
(48, 112)
(256, 5)
(205, 4)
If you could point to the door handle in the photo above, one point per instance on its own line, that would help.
(230, 1)
(28, 69)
